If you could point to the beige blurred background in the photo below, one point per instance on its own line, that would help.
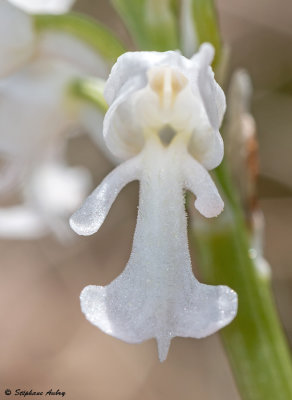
(45, 340)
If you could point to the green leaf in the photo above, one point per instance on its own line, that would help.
(175, 7)
(94, 34)
(152, 23)
(205, 21)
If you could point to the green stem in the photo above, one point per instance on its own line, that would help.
(254, 341)
(91, 90)
(91, 32)
(205, 19)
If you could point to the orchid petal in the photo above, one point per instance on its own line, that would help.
(208, 151)
(89, 218)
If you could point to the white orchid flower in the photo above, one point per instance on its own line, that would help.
(37, 68)
(164, 116)
(44, 6)
(36, 116)
(36, 112)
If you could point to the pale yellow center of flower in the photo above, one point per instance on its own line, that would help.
(166, 83)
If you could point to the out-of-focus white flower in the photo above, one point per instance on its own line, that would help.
(53, 191)
(20, 43)
(37, 68)
(17, 38)
(164, 118)
(50, 195)
(36, 115)
(44, 6)
(33, 112)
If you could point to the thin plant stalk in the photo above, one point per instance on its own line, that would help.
(254, 341)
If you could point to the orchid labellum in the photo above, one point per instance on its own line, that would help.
(164, 115)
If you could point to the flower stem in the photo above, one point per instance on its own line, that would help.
(91, 90)
(254, 342)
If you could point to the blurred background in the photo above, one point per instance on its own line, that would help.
(46, 343)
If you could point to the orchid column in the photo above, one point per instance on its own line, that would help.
(164, 116)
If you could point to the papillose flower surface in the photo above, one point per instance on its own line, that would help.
(164, 115)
